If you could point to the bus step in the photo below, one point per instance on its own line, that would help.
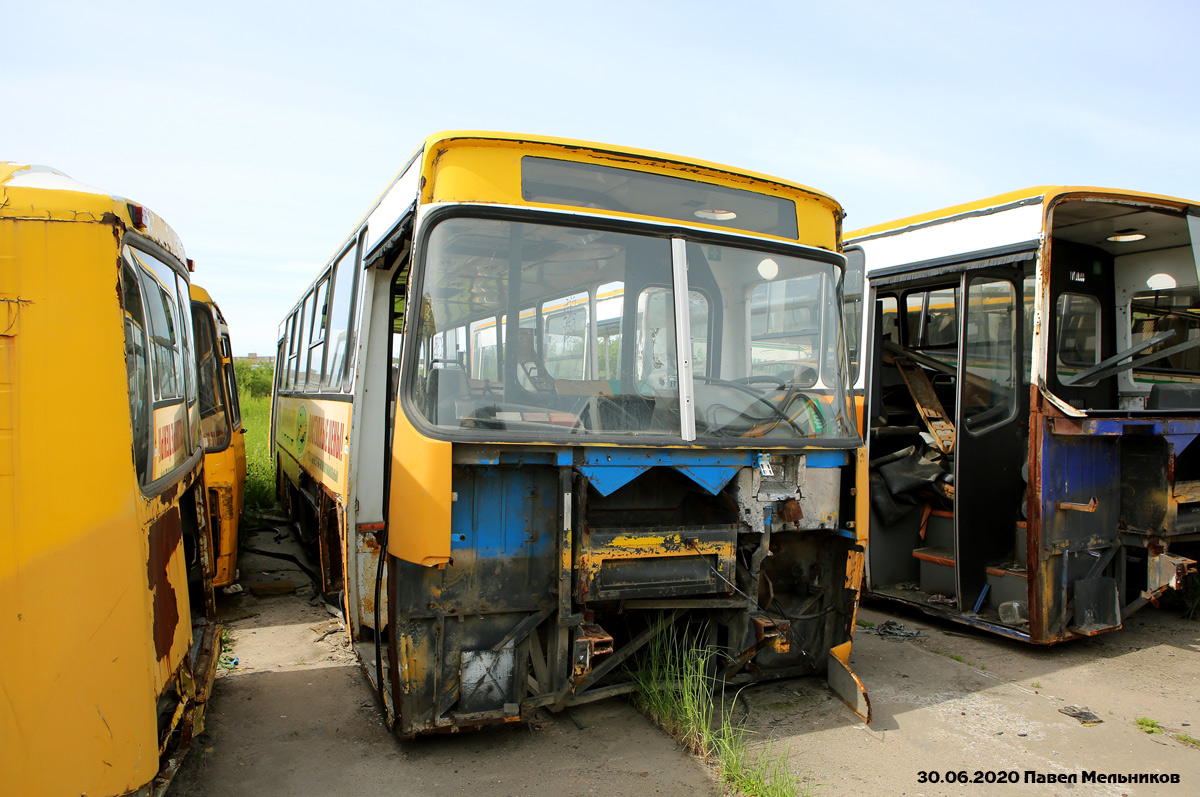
(937, 569)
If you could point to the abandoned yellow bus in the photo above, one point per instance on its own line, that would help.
(105, 572)
(1032, 374)
(551, 398)
(221, 432)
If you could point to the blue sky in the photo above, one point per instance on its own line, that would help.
(262, 131)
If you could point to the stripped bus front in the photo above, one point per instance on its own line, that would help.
(593, 394)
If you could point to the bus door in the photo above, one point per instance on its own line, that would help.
(990, 437)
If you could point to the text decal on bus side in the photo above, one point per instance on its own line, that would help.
(170, 440)
(327, 435)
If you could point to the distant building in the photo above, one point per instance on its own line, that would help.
(254, 359)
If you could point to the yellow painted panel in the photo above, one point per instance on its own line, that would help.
(489, 170)
(77, 686)
(316, 434)
(419, 503)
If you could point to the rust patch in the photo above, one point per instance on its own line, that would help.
(166, 535)
(791, 511)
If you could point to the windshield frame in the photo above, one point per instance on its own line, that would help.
(431, 216)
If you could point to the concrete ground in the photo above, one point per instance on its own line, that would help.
(295, 717)
(958, 700)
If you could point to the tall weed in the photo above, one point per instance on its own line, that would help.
(675, 689)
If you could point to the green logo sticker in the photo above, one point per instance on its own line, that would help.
(301, 428)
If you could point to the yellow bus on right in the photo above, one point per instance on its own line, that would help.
(1030, 373)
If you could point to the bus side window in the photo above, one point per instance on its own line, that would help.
(287, 361)
(610, 300)
(565, 332)
(136, 369)
(316, 345)
(889, 325)
(299, 371)
(341, 323)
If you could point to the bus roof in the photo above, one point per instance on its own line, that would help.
(198, 294)
(1045, 194)
(446, 136)
(433, 144)
(41, 193)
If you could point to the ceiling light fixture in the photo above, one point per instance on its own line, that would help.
(715, 214)
(1126, 236)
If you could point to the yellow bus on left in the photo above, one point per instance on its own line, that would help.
(106, 557)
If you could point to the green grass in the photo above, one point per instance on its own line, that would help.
(1183, 737)
(227, 659)
(1148, 725)
(260, 473)
(1036, 684)
(676, 691)
(864, 623)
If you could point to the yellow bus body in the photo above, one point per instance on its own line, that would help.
(224, 444)
(93, 583)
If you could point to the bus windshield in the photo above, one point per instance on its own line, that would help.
(552, 332)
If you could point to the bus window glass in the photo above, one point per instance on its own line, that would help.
(479, 271)
(941, 320)
(565, 336)
(889, 326)
(340, 322)
(1078, 346)
(914, 310)
(591, 185)
(989, 396)
(1175, 310)
(136, 369)
(231, 390)
(167, 357)
(655, 342)
(777, 362)
(214, 422)
(189, 359)
(299, 369)
(485, 352)
(316, 349)
(610, 298)
(852, 302)
(785, 328)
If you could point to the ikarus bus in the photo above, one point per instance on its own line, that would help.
(551, 399)
(1033, 398)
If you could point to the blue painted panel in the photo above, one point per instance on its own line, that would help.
(1180, 441)
(610, 469)
(1165, 426)
(834, 458)
(504, 512)
(1075, 469)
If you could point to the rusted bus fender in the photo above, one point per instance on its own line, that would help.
(1100, 485)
